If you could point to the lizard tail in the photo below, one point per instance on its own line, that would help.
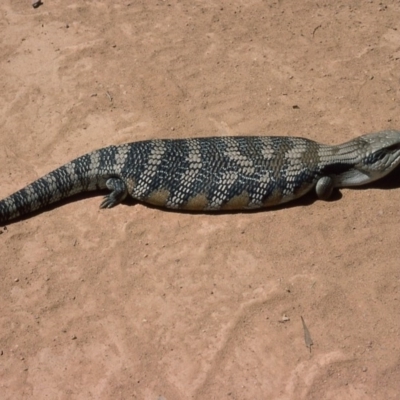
(75, 177)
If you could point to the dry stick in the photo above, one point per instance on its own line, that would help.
(109, 96)
(315, 30)
(36, 4)
(307, 336)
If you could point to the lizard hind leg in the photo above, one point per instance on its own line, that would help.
(118, 193)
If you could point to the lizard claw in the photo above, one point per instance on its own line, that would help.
(118, 194)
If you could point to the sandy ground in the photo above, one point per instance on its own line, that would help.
(139, 303)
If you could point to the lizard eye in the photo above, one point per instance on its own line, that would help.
(376, 156)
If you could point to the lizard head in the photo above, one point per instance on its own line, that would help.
(372, 157)
(380, 153)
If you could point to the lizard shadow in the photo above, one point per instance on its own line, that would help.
(389, 182)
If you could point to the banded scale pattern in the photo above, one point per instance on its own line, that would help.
(204, 174)
(217, 173)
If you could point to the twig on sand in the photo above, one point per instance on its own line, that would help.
(307, 336)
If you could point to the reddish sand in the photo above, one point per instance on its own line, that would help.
(139, 303)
